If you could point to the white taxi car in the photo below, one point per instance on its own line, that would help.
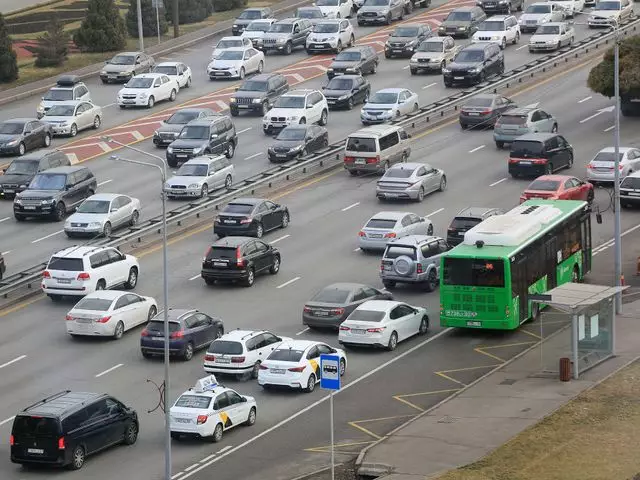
(236, 63)
(209, 409)
(296, 364)
(551, 36)
(146, 89)
(69, 118)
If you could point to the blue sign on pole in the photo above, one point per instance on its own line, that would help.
(330, 372)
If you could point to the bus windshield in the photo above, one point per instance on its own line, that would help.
(474, 272)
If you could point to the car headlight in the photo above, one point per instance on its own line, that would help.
(383, 12)
(232, 100)
(40, 108)
(13, 142)
(296, 148)
(446, 70)
(166, 186)
(413, 60)
(95, 225)
(265, 118)
(329, 69)
(156, 134)
(387, 44)
(591, 17)
(351, 69)
(292, 118)
(194, 185)
(343, 97)
(23, 185)
(441, 27)
(462, 28)
(281, 40)
(67, 224)
(257, 100)
(103, 72)
(496, 38)
(47, 201)
(143, 96)
(170, 149)
(18, 201)
(198, 150)
(475, 70)
(235, 26)
(520, 21)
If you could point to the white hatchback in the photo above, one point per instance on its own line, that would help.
(147, 89)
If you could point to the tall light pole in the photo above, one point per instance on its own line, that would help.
(616, 168)
(140, 35)
(165, 287)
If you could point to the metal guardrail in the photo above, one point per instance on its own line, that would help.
(26, 279)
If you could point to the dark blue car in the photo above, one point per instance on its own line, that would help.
(189, 330)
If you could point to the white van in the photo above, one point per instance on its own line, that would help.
(374, 149)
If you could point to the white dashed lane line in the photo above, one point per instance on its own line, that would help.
(254, 155)
(6, 420)
(4, 219)
(279, 239)
(435, 212)
(351, 206)
(302, 331)
(429, 86)
(477, 148)
(109, 370)
(242, 131)
(499, 181)
(105, 182)
(11, 362)
(47, 236)
(194, 277)
(586, 99)
(293, 280)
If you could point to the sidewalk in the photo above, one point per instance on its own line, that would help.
(490, 412)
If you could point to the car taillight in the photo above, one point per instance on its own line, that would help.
(83, 276)
(11, 440)
(237, 359)
(336, 311)
(206, 254)
(362, 234)
(202, 419)
(296, 369)
(239, 259)
(486, 111)
(68, 318)
(540, 161)
(513, 160)
(376, 330)
(61, 443)
(344, 329)
(523, 199)
(104, 319)
(419, 268)
(382, 266)
(262, 367)
(144, 333)
(46, 274)
(306, 309)
(590, 167)
(390, 235)
(375, 159)
(179, 334)
(209, 358)
(246, 220)
(349, 159)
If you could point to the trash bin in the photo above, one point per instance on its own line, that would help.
(565, 369)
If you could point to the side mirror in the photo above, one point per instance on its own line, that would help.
(244, 399)
(4, 170)
(309, 106)
(323, 87)
(114, 209)
(41, 98)
(68, 187)
(408, 135)
(213, 136)
(422, 219)
(106, 62)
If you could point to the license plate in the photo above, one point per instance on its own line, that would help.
(634, 194)
(474, 324)
(218, 74)
(321, 313)
(525, 163)
(27, 207)
(9, 191)
(360, 161)
(66, 281)
(183, 420)
(458, 78)
(279, 371)
(473, 114)
(243, 106)
(112, 77)
(281, 155)
(375, 235)
(229, 221)
(391, 195)
(461, 234)
(331, 102)
(181, 156)
(39, 451)
(358, 331)
(128, 102)
(219, 264)
(223, 360)
(396, 51)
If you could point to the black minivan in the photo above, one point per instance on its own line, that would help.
(536, 154)
(65, 428)
(465, 220)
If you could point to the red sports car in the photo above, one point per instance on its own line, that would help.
(558, 187)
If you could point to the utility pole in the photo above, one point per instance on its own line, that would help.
(176, 17)
(616, 169)
(140, 35)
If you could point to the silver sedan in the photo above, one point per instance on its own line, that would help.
(384, 227)
(410, 181)
(102, 213)
(70, 117)
(601, 168)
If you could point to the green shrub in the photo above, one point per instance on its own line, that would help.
(149, 23)
(103, 29)
(8, 57)
(53, 45)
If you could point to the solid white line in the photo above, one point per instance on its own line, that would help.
(206, 459)
(302, 331)
(350, 206)
(523, 46)
(176, 475)
(357, 249)
(194, 277)
(6, 420)
(191, 467)
(105, 182)
(109, 105)
(222, 450)
(48, 236)
(610, 243)
(318, 402)
(17, 359)
(429, 86)
(4, 219)
(477, 148)
(254, 155)
(294, 279)
(435, 212)
(278, 239)
(404, 68)
(245, 130)
(606, 130)
(586, 99)
(109, 370)
(6, 253)
(499, 181)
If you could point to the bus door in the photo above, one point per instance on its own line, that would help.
(551, 258)
(519, 277)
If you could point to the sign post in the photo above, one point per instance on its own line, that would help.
(330, 380)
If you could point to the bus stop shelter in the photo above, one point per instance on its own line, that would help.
(591, 309)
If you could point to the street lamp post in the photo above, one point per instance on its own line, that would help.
(165, 281)
(140, 31)
(616, 168)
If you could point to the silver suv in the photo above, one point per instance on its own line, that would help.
(413, 259)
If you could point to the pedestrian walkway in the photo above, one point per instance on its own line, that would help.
(490, 412)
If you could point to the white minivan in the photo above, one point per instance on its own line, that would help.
(374, 149)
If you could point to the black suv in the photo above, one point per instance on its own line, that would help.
(21, 171)
(258, 93)
(354, 61)
(500, 6)
(239, 259)
(474, 64)
(55, 192)
(404, 40)
(466, 219)
(65, 428)
(248, 16)
(212, 135)
(346, 91)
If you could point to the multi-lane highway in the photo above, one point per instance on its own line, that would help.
(318, 248)
(33, 241)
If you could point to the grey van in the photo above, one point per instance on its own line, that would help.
(374, 149)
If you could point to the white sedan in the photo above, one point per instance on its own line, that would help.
(109, 313)
(383, 323)
(236, 63)
(296, 364)
(69, 118)
(226, 43)
(147, 89)
(102, 213)
(551, 36)
(177, 71)
(387, 104)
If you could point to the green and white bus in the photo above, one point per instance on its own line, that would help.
(540, 244)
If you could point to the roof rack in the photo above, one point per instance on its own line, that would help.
(47, 399)
(68, 80)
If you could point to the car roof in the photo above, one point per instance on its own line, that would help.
(634, 174)
(539, 3)
(263, 77)
(201, 160)
(356, 48)
(106, 294)
(288, 20)
(297, 344)
(70, 103)
(378, 305)
(348, 77)
(239, 335)
(235, 49)
(78, 251)
(390, 215)
(197, 109)
(497, 18)
(477, 46)
(310, 7)
(168, 64)
(150, 75)
(205, 122)
(411, 25)
(475, 212)
(375, 131)
(344, 286)
(58, 405)
(232, 241)
(392, 90)
(248, 200)
(613, 149)
(64, 170)
(329, 21)
(231, 38)
(555, 178)
(175, 314)
(520, 111)
(128, 53)
(106, 196)
(40, 154)
(463, 9)
(555, 24)
(407, 166)
(436, 39)
(299, 92)
(414, 240)
(536, 137)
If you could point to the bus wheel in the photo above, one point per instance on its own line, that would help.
(575, 276)
(535, 312)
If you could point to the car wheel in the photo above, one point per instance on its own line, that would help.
(47, 140)
(175, 436)
(259, 230)
(311, 383)
(205, 190)
(188, 84)
(55, 298)
(420, 197)
(234, 112)
(18, 217)
(172, 96)
(424, 325)
(119, 331)
(503, 45)
(135, 216)
(343, 367)
(302, 121)
(217, 433)
(255, 370)
(570, 162)
(265, 108)
(77, 458)
(151, 102)
(374, 68)
(59, 212)
(575, 275)
(443, 65)
(241, 73)
(352, 41)
(304, 152)
(430, 230)
(516, 39)
(260, 67)
(188, 352)
(210, 281)
(393, 342)
(324, 118)
(227, 182)
(388, 19)
(548, 169)
(432, 281)
(443, 184)
(288, 48)
(251, 419)
(96, 122)
(132, 279)
(554, 129)
(231, 150)
(22, 149)
(106, 230)
(591, 196)
(386, 166)
(131, 435)
(339, 47)
(275, 268)
(389, 283)
(153, 311)
(413, 71)
(251, 278)
(499, 144)
(285, 220)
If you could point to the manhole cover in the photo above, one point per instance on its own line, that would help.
(508, 381)
(447, 419)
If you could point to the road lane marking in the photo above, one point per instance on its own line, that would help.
(6, 420)
(608, 129)
(611, 242)
(254, 155)
(435, 212)
(176, 475)
(302, 331)
(109, 370)
(245, 130)
(191, 467)
(523, 46)
(350, 206)
(477, 148)
(405, 68)
(11, 362)
(357, 249)
(4, 219)
(222, 450)
(109, 105)
(598, 113)
(278, 239)
(499, 181)
(299, 78)
(137, 135)
(105, 182)
(429, 86)
(194, 277)
(47, 236)
(304, 410)
(105, 148)
(293, 280)
(6, 253)
(586, 99)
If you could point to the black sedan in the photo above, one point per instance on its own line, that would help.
(298, 141)
(250, 217)
(333, 304)
(19, 135)
(482, 111)
(346, 91)
(404, 40)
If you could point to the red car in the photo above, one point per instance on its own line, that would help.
(558, 187)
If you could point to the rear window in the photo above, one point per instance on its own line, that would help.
(238, 208)
(286, 355)
(545, 185)
(474, 272)
(222, 252)
(381, 223)
(463, 223)
(366, 316)
(398, 251)
(398, 173)
(158, 326)
(479, 102)
(526, 149)
(225, 347)
(631, 182)
(359, 144)
(332, 295)
(35, 426)
(99, 304)
(69, 264)
(513, 119)
(193, 401)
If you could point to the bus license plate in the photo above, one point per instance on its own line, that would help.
(474, 324)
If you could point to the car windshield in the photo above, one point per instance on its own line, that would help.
(458, 17)
(326, 28)
(187, 170)
(538, 9)
(548, 30)
(193, 401)
(607, 6)
(607, 157)
(289, 102)
(309, 13)
(243, 208)
(526, 149)
(195, 132)
(491, 26)
(384, 98)
(328, 3)
(123, 60)
(56, 95)
(631, 182)
(398, 173)
(225, 347)
(166, 69)
(286, 355)
(338, 83)
(544, 185)
(281, 28)
(8, 128)
(66, 264)
(479, 102)
(253, 86)
(381, 223)
(292, 134)
(395, 251)
(61, 111)
(469, 56)
(358, 144)
(96, 304)
(349, 57)
(366, 316)
(405, 32)
(249, 15)
(431, 47)
(331, 295)
(258, 27)
(140, 82)
(94, 206)
(35, 427)
(231, 55)
(473, 272)
(376, 3)
(45, 181)
(512, 119)
(22, 167)
(229, 43)
(182, 118)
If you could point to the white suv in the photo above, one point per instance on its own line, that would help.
(500, 29)
(78, 271)
(241, 352)
(331, 35)
(296, 107)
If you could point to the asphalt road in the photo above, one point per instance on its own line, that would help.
(318, 248)
(33, 241)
